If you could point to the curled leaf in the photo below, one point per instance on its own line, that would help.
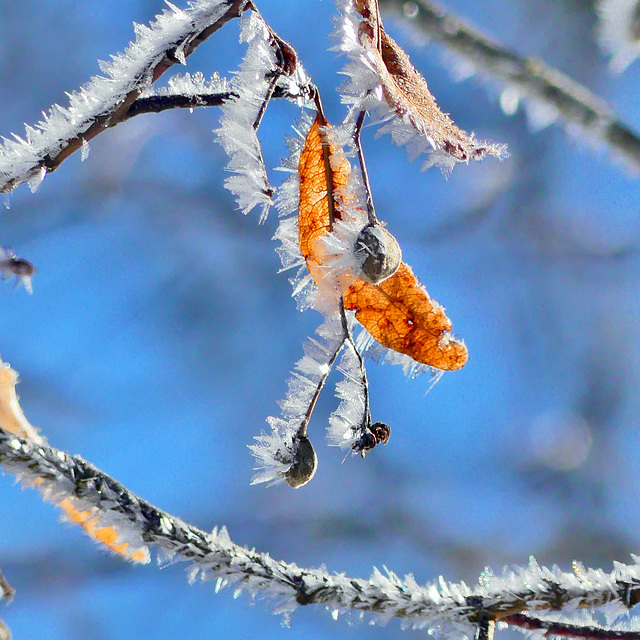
(407, 94)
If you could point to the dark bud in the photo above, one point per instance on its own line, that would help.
(381, 431)
(379, 252)
(378, 433)
(305, 463)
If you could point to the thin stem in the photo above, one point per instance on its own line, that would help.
(265, 101)
(366, 415)
(371, 213)
(533, 78)
(303, 427)
(49, 154)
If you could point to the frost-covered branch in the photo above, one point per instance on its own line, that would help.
(106, 100)
(214, 556)
(549, 93)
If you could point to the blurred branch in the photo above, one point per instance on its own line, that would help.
(6, 590)
(214, 555)
(531, 78)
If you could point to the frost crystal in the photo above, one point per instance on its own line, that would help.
(241, 116)
(619, 31)
(191, 85)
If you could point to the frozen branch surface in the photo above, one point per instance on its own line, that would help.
(550, 90)
(457, 606)
(106, 100)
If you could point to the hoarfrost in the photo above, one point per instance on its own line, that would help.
(619, 31)
(22, 160)
(241, 115)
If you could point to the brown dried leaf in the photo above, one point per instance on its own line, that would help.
(407, 93)
(400, 315)
(397, 312)
(13, 420)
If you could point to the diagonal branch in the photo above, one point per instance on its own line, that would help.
(533, 79)
(214, 555)
(105, 101)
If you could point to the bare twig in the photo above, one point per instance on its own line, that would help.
(532, 78)
(158, 104)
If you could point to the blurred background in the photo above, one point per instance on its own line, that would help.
(160, 336)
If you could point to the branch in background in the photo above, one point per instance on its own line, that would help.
(6, 593)
(6, 590)
(214, 555)
(562, 97)
(105, 101)
(11, 265)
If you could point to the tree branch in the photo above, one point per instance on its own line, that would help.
(106, 101)
(531, 78)
(214, 555)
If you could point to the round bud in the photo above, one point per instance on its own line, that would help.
(378, 252)
(377, 433)
(381, 431)
(304, 464)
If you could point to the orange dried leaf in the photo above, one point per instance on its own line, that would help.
(400, 315)
(314, 218)
(108, 536)
(407, 93)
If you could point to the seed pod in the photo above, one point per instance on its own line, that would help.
(379, 253)
(305, 463)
